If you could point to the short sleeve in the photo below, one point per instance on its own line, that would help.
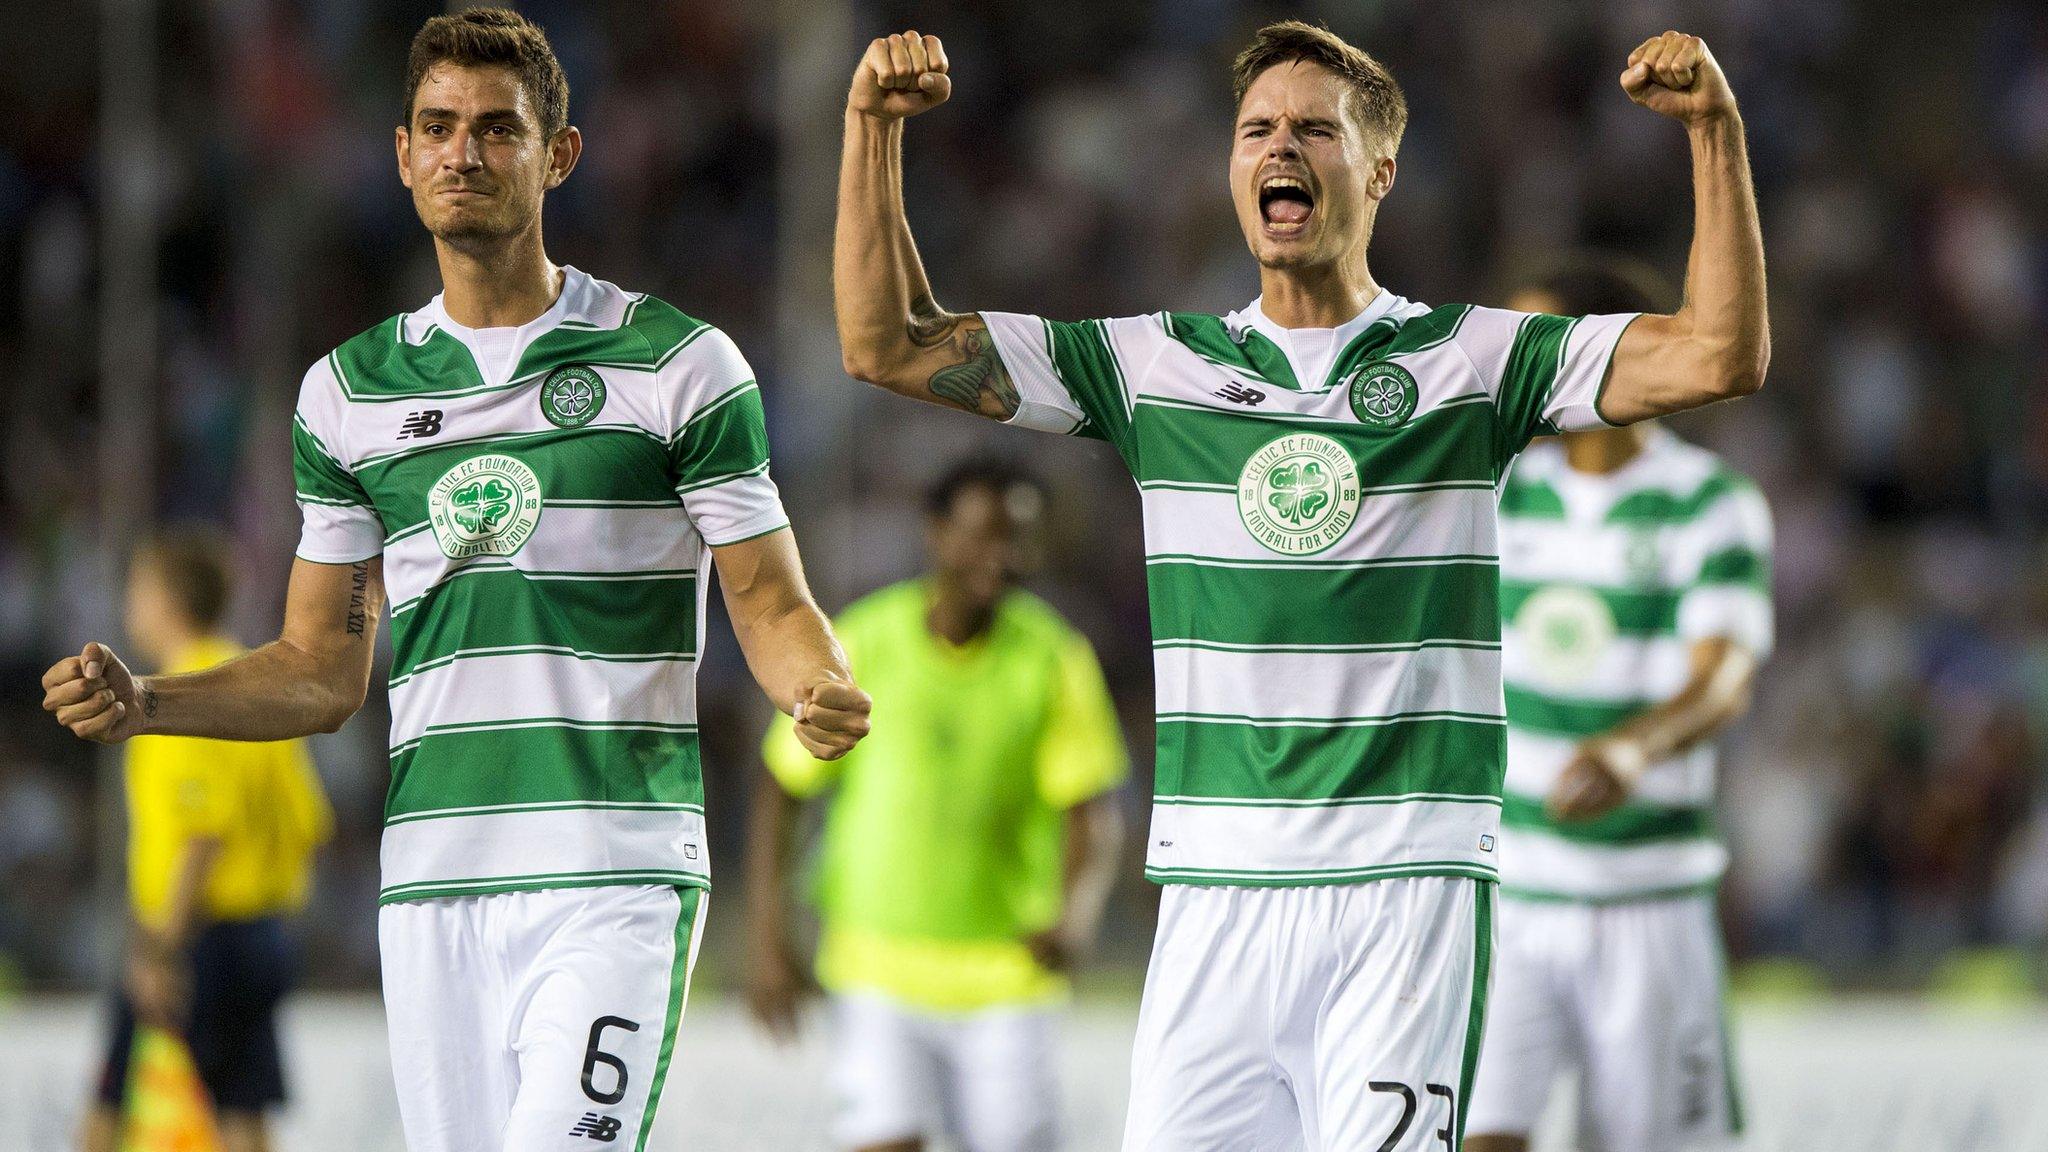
(1730, 595)
(1544, 372)
(1071, 377)
(1083, 754)
(339, 523)
(719, 451)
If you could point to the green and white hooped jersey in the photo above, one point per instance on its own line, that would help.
(1320, 550)
(545, 500)
(1606, 583)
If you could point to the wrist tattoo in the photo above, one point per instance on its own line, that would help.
(148, 702)
(977, 373)
(358, 598)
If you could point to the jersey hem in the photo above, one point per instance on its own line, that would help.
(1228, 878)
(444, 890)
(1633, 896)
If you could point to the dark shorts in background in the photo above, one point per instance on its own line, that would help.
(240, 973)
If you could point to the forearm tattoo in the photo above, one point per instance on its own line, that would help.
(976, 371)
(358, 598)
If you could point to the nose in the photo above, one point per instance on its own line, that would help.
(1283, 144)
(466, 156)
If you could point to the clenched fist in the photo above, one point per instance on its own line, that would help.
(900, 76)
(1675, 75)
(94, 695)
(831, 718)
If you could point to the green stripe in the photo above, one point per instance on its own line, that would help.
(636, 617)
(1647, 612)
(595, 462)
(1661, 506)
(1313, 605)
(1230, 760)
(1336, 802)
(1087, 366)
(1475, 1018)
(678, 995)
(1297, 878)
(1527, 380)
(1329, 649)
(1742, 566)
(726, 442)
(1566, 716)
(538, 882)
(1547, 896)
(1529, 500)
(1255, 356)
(1630, 824)
(1449, 443)
(318, 475)
(475, 768)
(522, 809)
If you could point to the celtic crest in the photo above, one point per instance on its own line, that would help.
(1383, 394)
(572, 397)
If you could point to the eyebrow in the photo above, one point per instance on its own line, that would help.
(495, 115)
(1301, 121)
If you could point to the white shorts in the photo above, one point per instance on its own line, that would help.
(1331, 1019)
(1629, 994)
(988, 1080)
(536, 1021)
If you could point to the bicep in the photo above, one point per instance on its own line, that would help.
(950, 359)
(1656, 371)
(761, 576)
(331, 611)
(1722, 662)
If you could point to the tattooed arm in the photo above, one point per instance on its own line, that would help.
(892, 332)
(312, 678)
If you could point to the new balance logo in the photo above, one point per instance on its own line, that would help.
(1239, 394)
(596, 1127)
(420, 425)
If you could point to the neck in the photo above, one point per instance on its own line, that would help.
(500, 285)
(953, 616)
(1604, 450)
(1320, 297)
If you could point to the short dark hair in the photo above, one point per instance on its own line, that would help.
(992, 474)
(1381, 107)
(477, 37)
(196, 569)
(1599, 284)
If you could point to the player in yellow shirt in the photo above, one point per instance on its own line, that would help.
(220, 840)
(968, 845)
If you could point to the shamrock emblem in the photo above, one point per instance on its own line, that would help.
(482, 505)
(1299, 491)
(573, 398)
(1382, 397)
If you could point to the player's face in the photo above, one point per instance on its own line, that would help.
(475, 155)
(1305, 176)
(985, 541)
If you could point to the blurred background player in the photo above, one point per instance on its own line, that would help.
(968, 844)
(545, 468)
(220, 842)
(1635, 590)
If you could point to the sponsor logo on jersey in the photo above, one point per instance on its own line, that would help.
(597, 1127)
(1299, 493)
(485, 506)
(420, 425)
(1382, 394)
(1565, 630)
(1239, 394)
(572, 397)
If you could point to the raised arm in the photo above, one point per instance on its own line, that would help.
(1718, 344)
(892, 333)
(312, 678)
(789, 644)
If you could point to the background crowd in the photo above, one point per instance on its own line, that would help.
(1886, 800)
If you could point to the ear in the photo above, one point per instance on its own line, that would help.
(404, 157)
(1382, 180)
(563, 152)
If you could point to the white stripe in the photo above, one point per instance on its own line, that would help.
(1044, 403)
(1741, 614)
(1627, 668)
(737, 509)
(543, 806)
(518, 687)
(1535, 760)
(1289, 838)
(1390, 525)
(339, 534)
(617, 541)
(1534, 859)
(1319, 684)
(473, 850)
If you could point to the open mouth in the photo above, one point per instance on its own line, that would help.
(1285, 204)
